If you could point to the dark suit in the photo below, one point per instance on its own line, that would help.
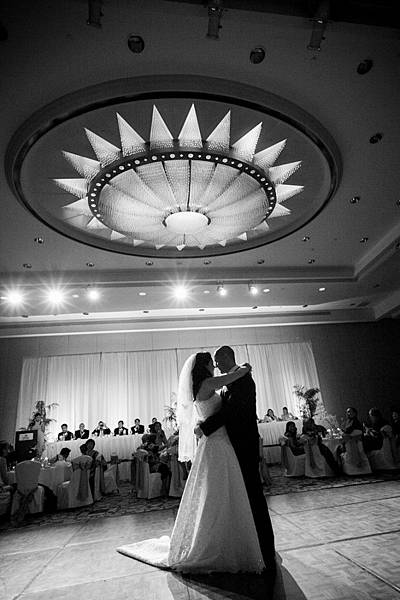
(122, 431)
(137, 429)
(81, 435)
(98, 431)
(238, 414)
(66, 437)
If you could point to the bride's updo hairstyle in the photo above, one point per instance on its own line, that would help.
(200, 371)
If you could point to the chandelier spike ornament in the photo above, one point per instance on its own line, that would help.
(131, 141)
(190, 136)
(180, 194)
(266, 158)
(106, 153)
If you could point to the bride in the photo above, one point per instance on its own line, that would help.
(214, 528)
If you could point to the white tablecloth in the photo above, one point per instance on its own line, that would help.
(51, 477)
(271, 432)
(122, 445)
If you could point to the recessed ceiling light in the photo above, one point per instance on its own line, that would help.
(142, 293)
(149, 263)
(146, 311)
(14, 297)
(55, 296)
(363, 240)
(25, 316)
(306, 238)
(257, 55)
(260, 261)
(305, 305)
(253, 289)
(254, 307)
(201, 309)
(374, 139)
(75, 295)
(364, 66)
(39, 240)
(85, 313)
(90, 264)
(311, 261)
(27, 266)
(321, 289)
(355, 200)
(206, 291)
(180, 292)
(135, 43)
(93, 294)
(207, 262)
(266, 290)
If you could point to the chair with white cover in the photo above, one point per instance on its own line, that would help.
(147, 485)
(111, 479)
(315, 463)
(76, 492)
(5, 500)
(178, 474)
(354, 459)
(294, 465)
(384, 459)
(29, 496)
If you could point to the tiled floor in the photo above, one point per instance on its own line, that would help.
(333, 544)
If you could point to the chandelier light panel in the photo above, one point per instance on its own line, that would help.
(183, 192)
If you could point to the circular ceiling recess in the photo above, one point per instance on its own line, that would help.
(173, 166)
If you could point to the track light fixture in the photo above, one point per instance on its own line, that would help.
(253, 289)
(95, 13)
(221, 290)
(320, 21)
(214, 18)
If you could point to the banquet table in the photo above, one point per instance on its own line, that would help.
(49, 476)
(120, 445)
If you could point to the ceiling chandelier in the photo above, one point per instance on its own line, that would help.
(179, 192)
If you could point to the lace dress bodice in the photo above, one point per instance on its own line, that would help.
(206, 408)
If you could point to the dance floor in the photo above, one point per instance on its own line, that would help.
(333, 544)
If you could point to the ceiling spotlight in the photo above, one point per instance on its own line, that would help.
(135, 44)
(149, 263)
(27, 266)
(320, 21)
(90, 264)
(207, 262)
(221, 290)
(260, 261)
(14, 297)
(311, 261)
(142, 293)
(95, 13)
(363, 240)
(55, 296)
(180, 292)
(266, 290)
(306, 238)
(39, 240)
(214, 18)
(365, 66)
(253, 289)
(355, 200)
(257, 55)
(321, 289)
(305, 305)
(93, 294)
(376, 138)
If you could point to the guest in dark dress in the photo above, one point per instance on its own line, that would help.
(293, 439)
(314, 432)
(373, 436)
(395, 423)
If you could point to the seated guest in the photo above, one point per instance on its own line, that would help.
(161, 438)
(373, 436)
(120, 430)
(97, 459)
(65, 435)
(61, 457)
(137, 427)
(4, 483)
(81, 433)
(311, 434)
(395, 423)
(293, 439)
(286, 415)
(101, 429)
(351, 423)
(270, 416)
(152, 424)
(156, 464)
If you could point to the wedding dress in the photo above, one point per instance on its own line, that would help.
(214, 528)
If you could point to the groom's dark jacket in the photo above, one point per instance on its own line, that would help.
(238, 414)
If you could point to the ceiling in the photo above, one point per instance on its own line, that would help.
(60, 75)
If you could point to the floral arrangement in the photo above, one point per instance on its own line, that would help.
(170, 412)
(307, 399)
(330, 422)
(40, 411)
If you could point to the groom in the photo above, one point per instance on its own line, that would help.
(238, 414)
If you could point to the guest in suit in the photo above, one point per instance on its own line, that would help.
(81, 433)
(152, 424)
(120, 430)
(286, 415)
(137, 427)
(97, 459)
(101, 430)
(65, 435)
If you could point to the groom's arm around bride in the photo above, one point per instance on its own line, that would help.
(238, 414)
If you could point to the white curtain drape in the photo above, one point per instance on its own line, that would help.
(129, 385)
